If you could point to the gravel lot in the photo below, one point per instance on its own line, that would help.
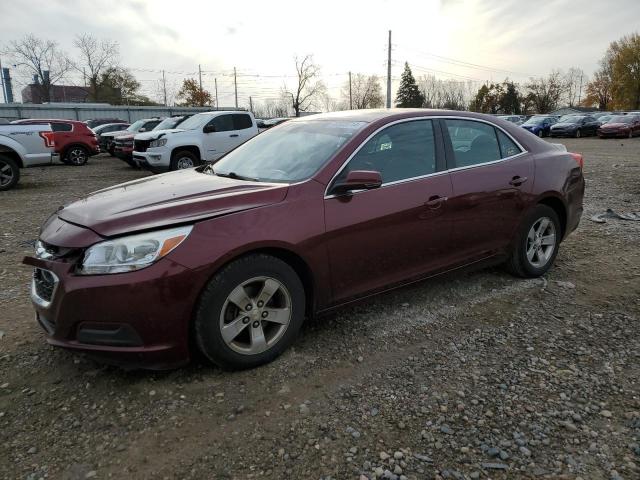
(477, 375)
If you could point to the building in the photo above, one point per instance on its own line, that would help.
(573, 110)
(59, 94)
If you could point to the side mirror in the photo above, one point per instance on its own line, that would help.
(209, 129)
(358, 180)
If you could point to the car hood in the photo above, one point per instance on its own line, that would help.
(155, 134)
(614, 125)
(565, 124)
(116, 134)
(531, 126)
(162, 200)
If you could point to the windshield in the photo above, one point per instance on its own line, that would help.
(570, 119)
(196, 121)
(535, 121)
(168, 123)
(135, 126)
(290, 152)
(621, 119)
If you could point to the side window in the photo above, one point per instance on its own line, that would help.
(223, 123)
(241, 121)
(401, 151)
(507, 146)
(473, 142)
(151, 125)
(61, 127)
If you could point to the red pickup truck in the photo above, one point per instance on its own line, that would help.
(75, 141)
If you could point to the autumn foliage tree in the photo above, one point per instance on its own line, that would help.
(192, 95)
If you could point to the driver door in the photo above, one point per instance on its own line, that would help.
(399, 231)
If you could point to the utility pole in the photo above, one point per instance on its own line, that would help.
(215, 82)
(250, 105)
(235, 85)
(4, 94)
(350, 99)
(200, 75)
(580, 91)
(164, 88)
(389, 73)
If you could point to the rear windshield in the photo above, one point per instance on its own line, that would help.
(621, 119)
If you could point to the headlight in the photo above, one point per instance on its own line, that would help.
(161, 142)
(131, 253)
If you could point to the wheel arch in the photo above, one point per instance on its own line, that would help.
(559, 207)
(73, 145)
(12, 154)
(190, 148)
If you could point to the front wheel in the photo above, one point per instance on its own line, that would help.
(630, 133)
(184, 159)
(9, 173)
(541, 133)
(578, 133)
(536, 244)
(76, 156)
(250, 312)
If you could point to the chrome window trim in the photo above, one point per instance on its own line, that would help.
(37, 299)
(523, 151)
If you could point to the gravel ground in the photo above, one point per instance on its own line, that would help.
(475, 375)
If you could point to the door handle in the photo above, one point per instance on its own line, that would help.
(517, 181)
(435, 201)
(234, 135)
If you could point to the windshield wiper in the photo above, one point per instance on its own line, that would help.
(235, 176)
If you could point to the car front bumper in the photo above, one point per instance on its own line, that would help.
(154, 160)
(135, 319)
(563, 133)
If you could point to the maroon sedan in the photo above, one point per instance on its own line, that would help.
(620, 126)
(310, 215)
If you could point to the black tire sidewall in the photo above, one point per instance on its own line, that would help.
(76, 147)
(206, 325)
(183, 153)
(520, 249)
(15, 170)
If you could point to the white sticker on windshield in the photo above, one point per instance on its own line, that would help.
(386, 146)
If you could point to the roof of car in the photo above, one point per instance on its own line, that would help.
(48, 120)
(372, 115)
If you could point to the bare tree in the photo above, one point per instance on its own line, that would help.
(365, 92)
(449, 94)
(96, 56)
(309, 87)
(575, 80)
(41, 59)
(545, 93)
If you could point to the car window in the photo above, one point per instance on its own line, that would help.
(61, 127)
(508, 147)
(223, 123)
(473, 142)
(241, 121)
(401, 151)
(151, 125)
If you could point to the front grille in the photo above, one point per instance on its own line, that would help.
(44, 282)
(141, 145)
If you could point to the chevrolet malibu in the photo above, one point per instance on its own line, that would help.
(229, 258)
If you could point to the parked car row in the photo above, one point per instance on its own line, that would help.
(603, 124)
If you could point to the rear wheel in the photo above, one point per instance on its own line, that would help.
(630, 133)
(250, 312)
(536, 244)
(578, 133)
(9, 173)
(184, 159)
(541, 133)
(76, 156)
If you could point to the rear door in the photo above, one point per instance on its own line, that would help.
(63, 133)
(400, 231)
(223, 139)
(244, 128)
(492, 179)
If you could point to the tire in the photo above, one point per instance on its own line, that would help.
(252, 339)
(9, 173)
(578, 133)
(183, 159)
(76, 156)
(541, 133)
(520, 262)
(630, 133)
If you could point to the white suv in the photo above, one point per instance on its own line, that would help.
(203, 137)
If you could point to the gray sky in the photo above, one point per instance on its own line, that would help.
(480, 40)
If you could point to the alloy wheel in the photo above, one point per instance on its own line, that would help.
(541, 242)
(6, 173)
(77, 156)
(255, 315)
(185, 162)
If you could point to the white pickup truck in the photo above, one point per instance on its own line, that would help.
(24, 146)
(204, 137)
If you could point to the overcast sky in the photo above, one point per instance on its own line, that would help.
(499, 38)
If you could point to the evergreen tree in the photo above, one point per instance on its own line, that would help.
(409, 95)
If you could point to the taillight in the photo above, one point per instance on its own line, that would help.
(578, 158)
(48, 139)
